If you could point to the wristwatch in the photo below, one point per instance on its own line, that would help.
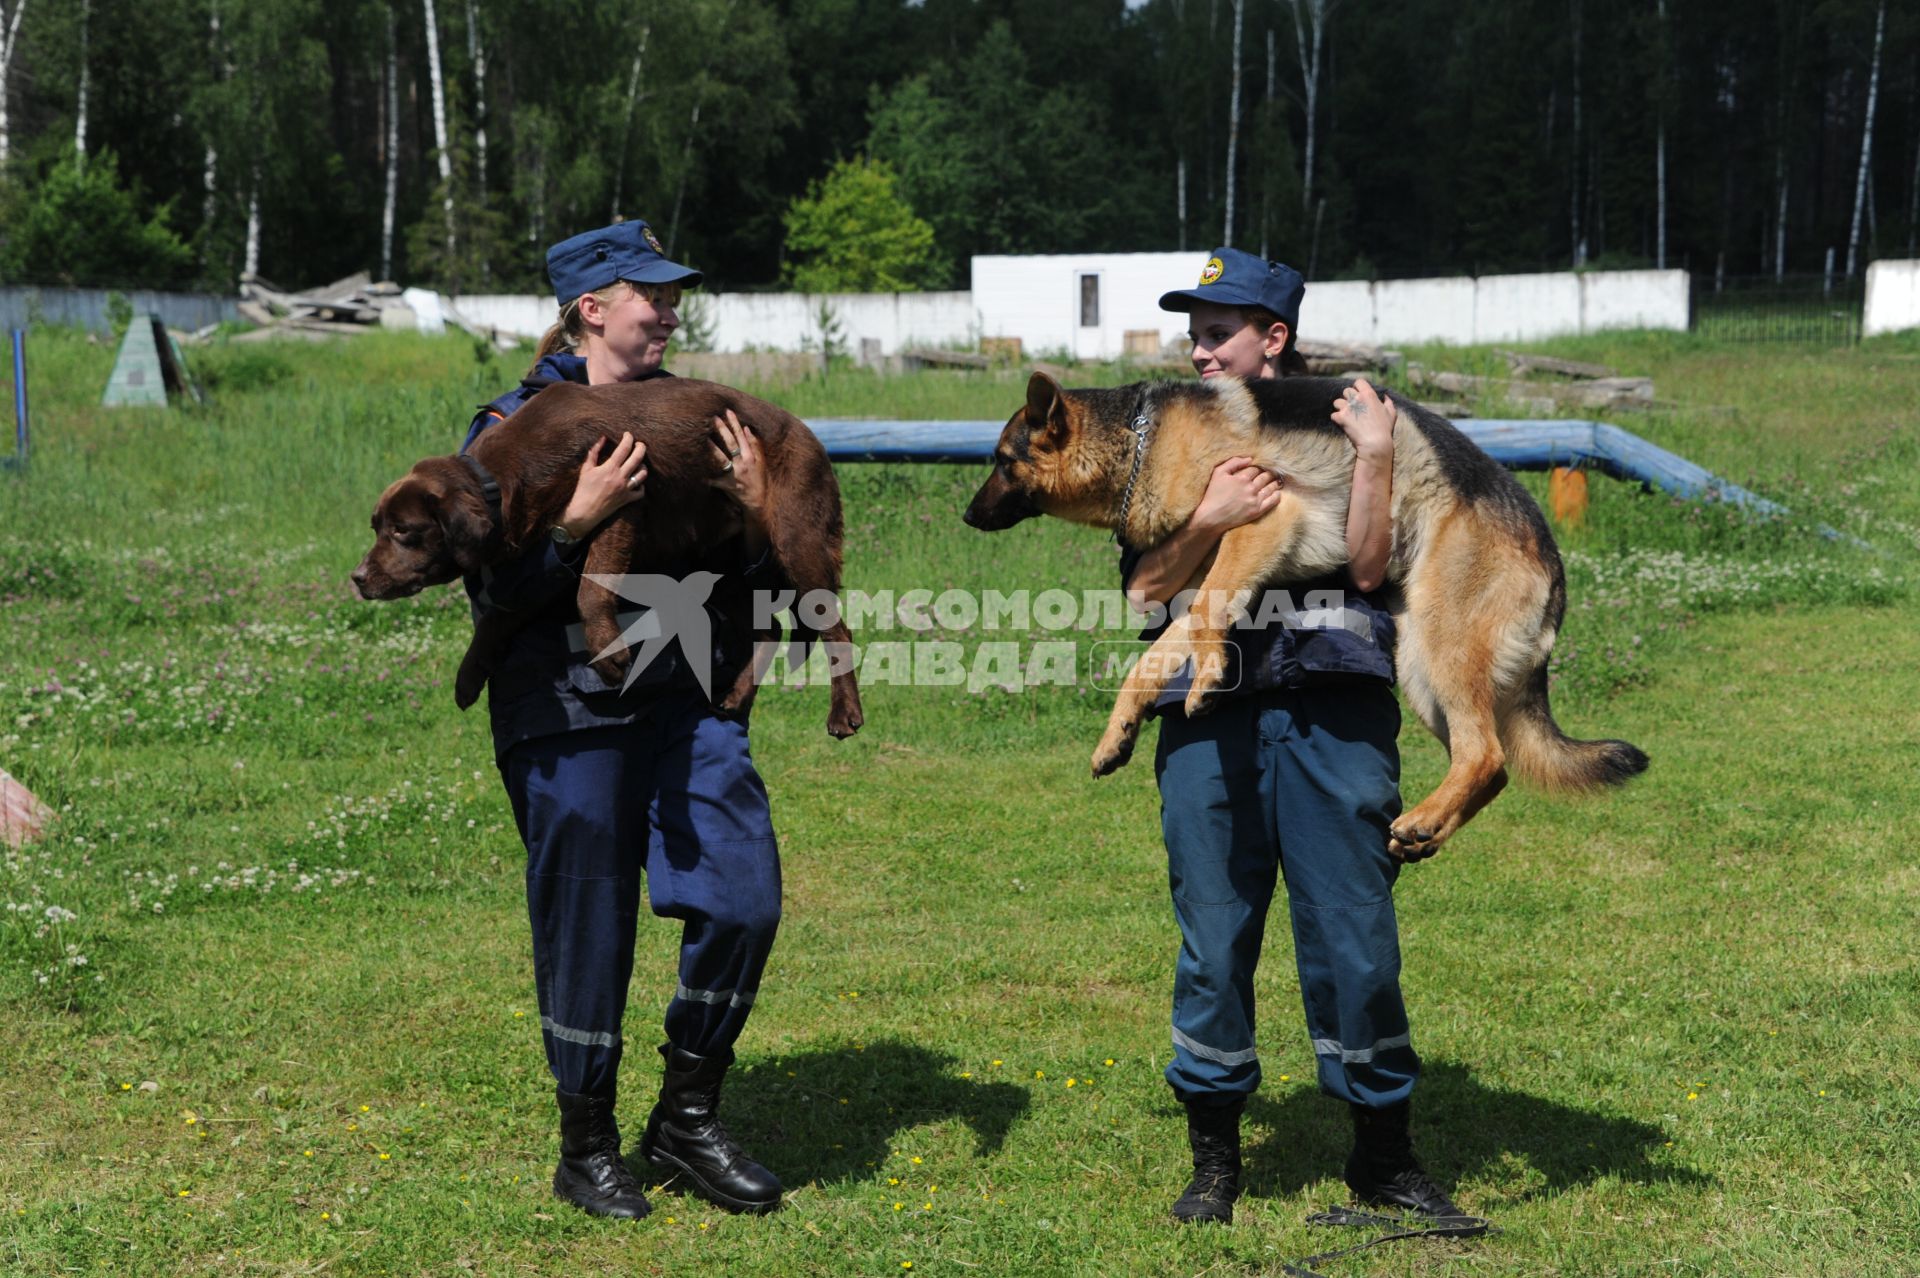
(560, 535)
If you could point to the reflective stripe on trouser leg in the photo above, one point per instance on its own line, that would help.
(712, 863)
(579, 800)
(1333, 778)
(1221, 867)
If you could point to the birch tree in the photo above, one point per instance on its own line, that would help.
(80, 108)
(477, 55)
(1664, 72)
(634, 97)
(1573, 182)
(1866, 139)
(1233, 120)
(1309, 35)
(11, 21)
(390, 146)
(442, 145)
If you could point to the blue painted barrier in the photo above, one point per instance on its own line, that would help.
(1517, 445)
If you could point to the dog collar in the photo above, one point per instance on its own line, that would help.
(1142, 427)
(489, 486)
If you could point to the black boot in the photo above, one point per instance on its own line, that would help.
(1214, 1133)
(592, 1175)
(1382, 1171)
(684, 1135)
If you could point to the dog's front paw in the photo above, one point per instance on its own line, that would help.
(1113, 752)
(842, 724)
(467, 683)
(1201, 700)
(613, 667)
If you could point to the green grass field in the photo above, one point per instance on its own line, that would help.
(267, 983)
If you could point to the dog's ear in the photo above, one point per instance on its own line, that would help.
(1046, 405)
(467, 526)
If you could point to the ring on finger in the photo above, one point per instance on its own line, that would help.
(726, 467)
(732, 452)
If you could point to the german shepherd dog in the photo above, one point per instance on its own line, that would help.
(454, 515)
(1480, 596)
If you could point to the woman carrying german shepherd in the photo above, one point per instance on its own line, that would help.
(1296, 774)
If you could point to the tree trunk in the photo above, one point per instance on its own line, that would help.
(1181, 198)
(1266, 181)
(1660, 150)
(477, 52)
(680, 191)
(391, 147)
(1866, 140)
(6, 63)
(1573, 181)
(1913, 202)
(440, 125)
(80, 110)
(210, 174)
(1309, 45)
(251, 265)
(1780, 218)
(1233, 121)
(626, 131)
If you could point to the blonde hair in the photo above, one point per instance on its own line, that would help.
(569, 330)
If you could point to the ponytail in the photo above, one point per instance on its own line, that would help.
(563, 336)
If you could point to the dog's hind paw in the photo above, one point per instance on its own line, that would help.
(1410, 841)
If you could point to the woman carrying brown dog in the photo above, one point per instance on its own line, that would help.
(1295, 774)
(607, 782)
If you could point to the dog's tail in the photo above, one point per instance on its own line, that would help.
(1547, 757)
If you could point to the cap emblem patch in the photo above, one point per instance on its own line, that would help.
(1211, 271)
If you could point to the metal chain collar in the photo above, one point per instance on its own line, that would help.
(1142, 428)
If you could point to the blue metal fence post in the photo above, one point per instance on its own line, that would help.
(20, 396)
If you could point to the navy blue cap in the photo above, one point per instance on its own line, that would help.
(1233, 278)
(623, 251)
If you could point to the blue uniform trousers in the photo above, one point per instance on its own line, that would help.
(1300, 782)
(674, 793)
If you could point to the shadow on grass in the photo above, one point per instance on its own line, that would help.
(1462, 1131)
(789, 1111)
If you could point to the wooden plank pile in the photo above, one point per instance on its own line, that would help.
(344, 308)
(1568, 385)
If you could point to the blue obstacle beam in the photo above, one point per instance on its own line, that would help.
(1517, 445)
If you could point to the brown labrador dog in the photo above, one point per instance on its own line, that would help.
(441, 520)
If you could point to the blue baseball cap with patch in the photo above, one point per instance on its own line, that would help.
(1233, 278)
(623, 251)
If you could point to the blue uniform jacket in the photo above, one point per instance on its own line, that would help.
(1317, 643)
(543, 684)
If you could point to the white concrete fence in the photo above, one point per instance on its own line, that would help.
(1087, 306)
(1893, 298)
